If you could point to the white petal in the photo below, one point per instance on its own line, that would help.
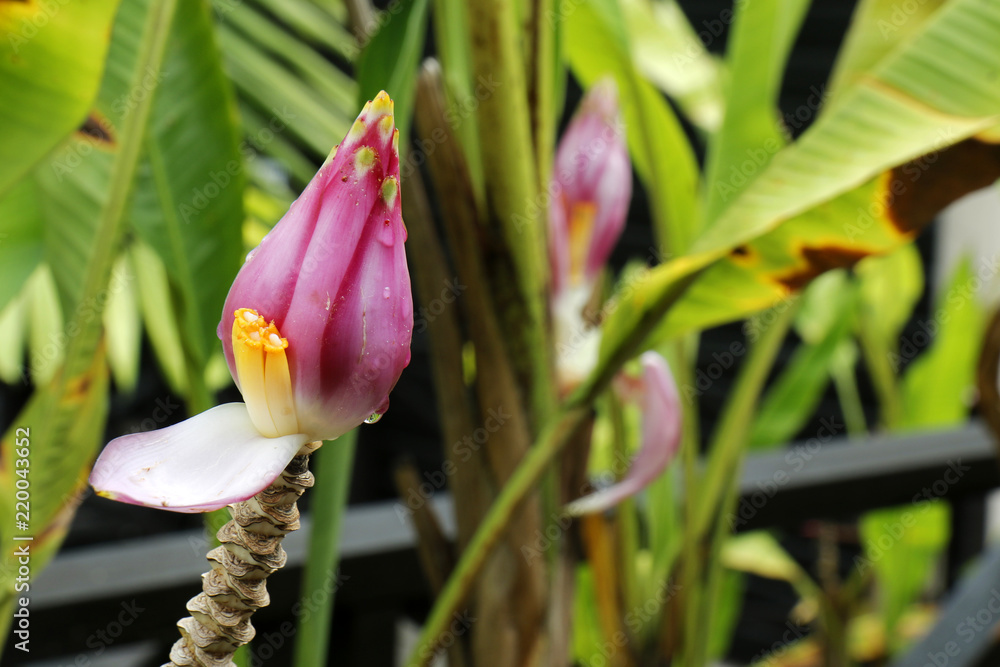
(211, 460)
(661, 436)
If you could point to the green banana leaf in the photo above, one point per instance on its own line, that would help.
(86, 191)
(188, 202)
(815, 206)
(51, 59)
(669, 53)
(756, 55)
(20, 238)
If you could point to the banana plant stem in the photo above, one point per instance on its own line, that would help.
(491, 530)
(726, 451)
(717, 497)
(333, 472)
(883, 377)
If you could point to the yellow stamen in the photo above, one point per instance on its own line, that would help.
(581, 229)
(262, 368)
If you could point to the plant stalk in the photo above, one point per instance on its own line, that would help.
(717, 495)
(333, 466)
(235, 587)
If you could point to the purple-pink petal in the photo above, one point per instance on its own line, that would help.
(661, 435)
(591, 168)
(332, 276)
(209, 461)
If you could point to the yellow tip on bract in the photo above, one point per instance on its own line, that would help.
(390, 188)
(364, 159)
(382, 105)
(262, 369)
(358, 129)
(329, 158)
(386, 125)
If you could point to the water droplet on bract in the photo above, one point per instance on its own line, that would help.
(386, 235)
(373, 417)
(386, 292)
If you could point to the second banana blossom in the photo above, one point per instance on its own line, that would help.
(592, 179)
(592, 182)
(316, 330)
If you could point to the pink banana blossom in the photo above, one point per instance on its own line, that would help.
(316, 330)
(592, 186)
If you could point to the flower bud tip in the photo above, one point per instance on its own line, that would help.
(382, 105)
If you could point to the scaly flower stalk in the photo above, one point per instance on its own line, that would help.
(235, 587)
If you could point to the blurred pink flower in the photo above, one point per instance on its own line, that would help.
(656, 393)
(591, 186)
(592, 182)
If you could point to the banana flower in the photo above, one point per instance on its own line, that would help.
(316, 330)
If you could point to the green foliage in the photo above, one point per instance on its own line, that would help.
(65, 418)
(903, 545)
(148, 145)
(81, 200)
(391, 61)
(758, 48)
(188, 198)
(671, 55)
(51, 60)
